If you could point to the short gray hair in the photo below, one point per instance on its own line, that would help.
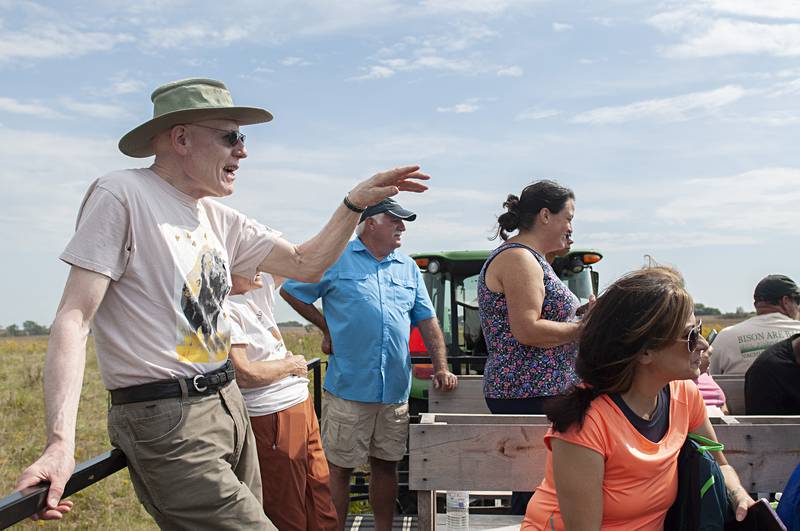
(378, 219)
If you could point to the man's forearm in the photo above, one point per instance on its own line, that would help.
(63, 377)
(319, 253)
(261, 373)
(434, 343)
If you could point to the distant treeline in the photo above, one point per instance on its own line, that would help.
(29, 328)
(702, 309)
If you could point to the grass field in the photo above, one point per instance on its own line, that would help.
(711, 322)
(109, 504)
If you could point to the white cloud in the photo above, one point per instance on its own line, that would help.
(390, 67)
(603, 215)
(776, 119)
(510, 71)
(14, 106)
(776, 9)
(435, 62)
(449, 52)
(127, 86)
(377, 72)
(676, 108)
(95, 110)
(50, 40)
(733, 209)
(559, 27)
(197, 34)
(605, 21)
(469, 105)
(784, 88)
(294, 61)
(487, 7)
(729, 37)
(536, 113)
(647, 242)
(460, 108)
(703, 32)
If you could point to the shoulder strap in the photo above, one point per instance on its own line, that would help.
(505, 247)
(705, 444)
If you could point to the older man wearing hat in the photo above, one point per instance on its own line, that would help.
(371, 298)
(151, 263)
(777, 303)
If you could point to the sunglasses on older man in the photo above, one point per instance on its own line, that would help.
(231, 137)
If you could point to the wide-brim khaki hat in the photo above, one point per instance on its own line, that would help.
(187, 101)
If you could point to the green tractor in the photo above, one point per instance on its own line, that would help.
(452, 281)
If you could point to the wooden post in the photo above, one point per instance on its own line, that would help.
(426, 510)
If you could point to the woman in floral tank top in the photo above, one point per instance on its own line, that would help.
(527, 314)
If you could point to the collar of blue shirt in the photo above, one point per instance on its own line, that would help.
(358, 246)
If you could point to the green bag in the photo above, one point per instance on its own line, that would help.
(702, 501)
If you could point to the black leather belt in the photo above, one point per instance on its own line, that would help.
(202, 384)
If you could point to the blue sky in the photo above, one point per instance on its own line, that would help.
(675, 122)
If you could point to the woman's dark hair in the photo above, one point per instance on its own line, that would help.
(645, 309)
(521, 211)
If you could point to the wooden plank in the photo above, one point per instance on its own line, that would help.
(476, 456)
(427, 418)
(733, 387)
(426, 509)
(763, 454)
(762, 419)
(466, 398)
(464, 418)
(481, 452)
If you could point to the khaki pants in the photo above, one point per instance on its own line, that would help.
(192, 460)
(294, 471)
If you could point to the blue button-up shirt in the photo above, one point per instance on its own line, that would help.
(369, 307)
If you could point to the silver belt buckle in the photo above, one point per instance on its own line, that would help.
(198, 387)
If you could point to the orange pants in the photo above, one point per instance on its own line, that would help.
(295, 477)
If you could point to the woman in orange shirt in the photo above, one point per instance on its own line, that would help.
(615, 439)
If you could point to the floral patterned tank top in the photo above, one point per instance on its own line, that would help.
(514, 370)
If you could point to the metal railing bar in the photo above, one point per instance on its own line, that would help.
(22, 504)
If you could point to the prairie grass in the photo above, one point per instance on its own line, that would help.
(110, 503)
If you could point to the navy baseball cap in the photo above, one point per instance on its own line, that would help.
(389, 206)
(771, 288)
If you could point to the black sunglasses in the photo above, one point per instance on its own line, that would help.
(232, 137)
(694, 336)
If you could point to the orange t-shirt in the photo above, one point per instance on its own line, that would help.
(641, 477)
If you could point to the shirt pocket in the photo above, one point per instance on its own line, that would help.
(404, 293)
(355, 286)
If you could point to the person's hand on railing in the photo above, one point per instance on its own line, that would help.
(55, 465)
(444, 380)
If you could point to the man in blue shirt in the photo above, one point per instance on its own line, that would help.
(370, 297)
